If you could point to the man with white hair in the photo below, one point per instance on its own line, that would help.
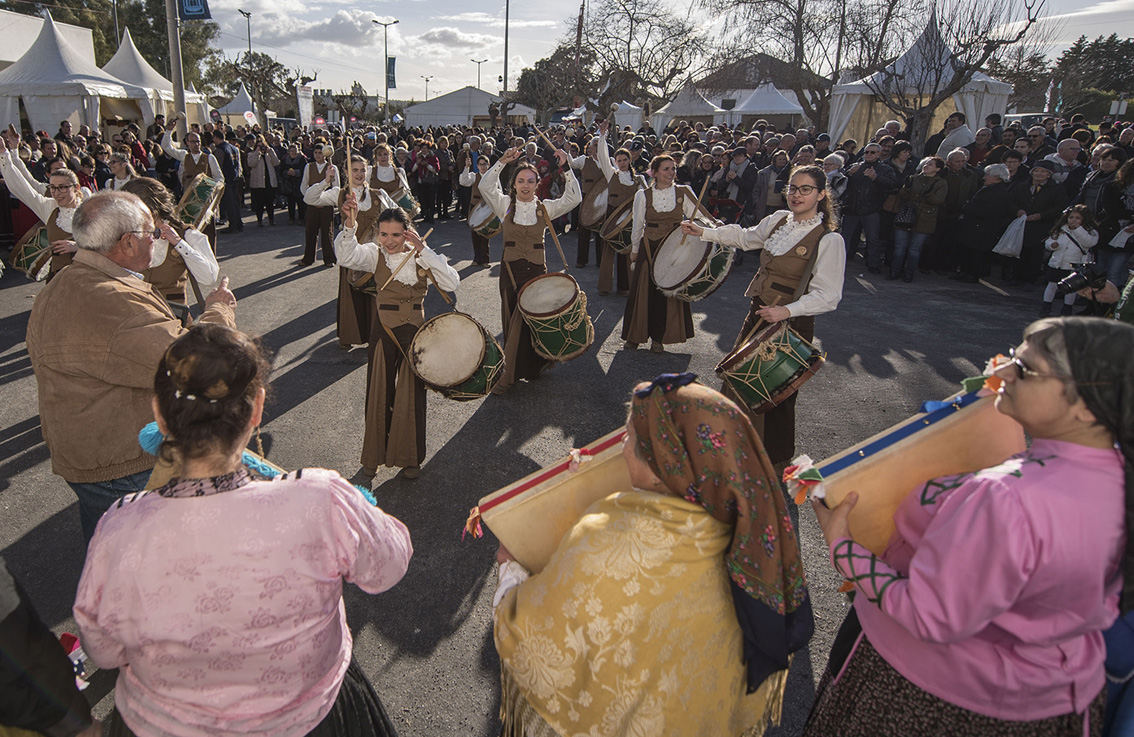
(894, 128)
(1065, 159)
(95, 337)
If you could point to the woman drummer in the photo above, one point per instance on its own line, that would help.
(985, 614)
(180, 251)
(395, 396)
(386, 176)
(54, 211)
(355, 307)
(801, 275)
(658, 211)
(622, 185)
(525, 219)
(471, 179)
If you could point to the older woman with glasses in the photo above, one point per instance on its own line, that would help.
(985, 614)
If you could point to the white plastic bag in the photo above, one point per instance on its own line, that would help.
(1012, 242)
(1120, 238)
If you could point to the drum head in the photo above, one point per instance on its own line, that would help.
(593, 209)
(448, 349)
(548, 294)
(385, 201)
(480, 215)
(619, 220)
(677, 262)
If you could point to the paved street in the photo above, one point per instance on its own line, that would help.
(427, 644)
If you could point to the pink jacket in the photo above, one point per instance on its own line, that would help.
(996, 586)
(224, 612)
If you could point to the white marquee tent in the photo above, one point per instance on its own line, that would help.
(130, 66)
(689, 104)
(466, 106)
(18, 32)
(233, 112)
(857, 111)
(763, 102)
(628, 114)
(57, 82)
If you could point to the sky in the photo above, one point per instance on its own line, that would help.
(440, 38)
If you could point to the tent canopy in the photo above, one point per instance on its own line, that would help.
(131, 67)
(18, 32)
(239, 105)
(926, 67)
(689, 103)
(57, 82)
(629, 114)
(466, 106)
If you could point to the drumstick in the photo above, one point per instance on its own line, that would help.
(347, 187)
(545, 138)
(406, 260)
(701, 196)
(555, 238)
(757, 326)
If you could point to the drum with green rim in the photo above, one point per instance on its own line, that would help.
(32, 255)
(555, 310)
(770, 367)
(200, 200)
(407, 202)
(484, 221)
(454, 355)
(363, 281)
(688, 268)
(618, 227)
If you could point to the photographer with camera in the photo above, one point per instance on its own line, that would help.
(1069, 246)
(1102, 291)
(262, 180)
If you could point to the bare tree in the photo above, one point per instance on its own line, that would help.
(800, 45)
(957, 42)
(643, 49)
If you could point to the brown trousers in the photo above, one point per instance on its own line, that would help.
(395, 402)
(520, 359)
(318, 226)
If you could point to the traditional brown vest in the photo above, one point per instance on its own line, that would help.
(475, 198)
(525, 241)
(366, 221)
(618, 193)
(313, 175)
(190, 169)
(590, 175)
(780, 276)
(389, 187)
(55, 233)
(660, 224)
(170, 277)
(399, 304)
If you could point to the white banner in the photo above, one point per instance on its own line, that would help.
(305, 100)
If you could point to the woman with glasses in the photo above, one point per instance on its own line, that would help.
(122, 169)
(986, 613)
(55, 210)
(802, 259)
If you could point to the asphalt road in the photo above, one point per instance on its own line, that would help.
(427, 644)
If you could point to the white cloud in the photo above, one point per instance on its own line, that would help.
(348, 27)
(496, 21)
(454, 38)
(1104, 8)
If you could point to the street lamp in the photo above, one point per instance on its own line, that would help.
(386, 66)
(248, 17)
(426, 86)
(478, 63)
(507, 11)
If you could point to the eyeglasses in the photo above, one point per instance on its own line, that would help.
(59, 187)
(1023, 371)
(803, 189)
(155, 233)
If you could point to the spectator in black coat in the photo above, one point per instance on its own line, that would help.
(869, 181)
(986, 216)
(1042, 200)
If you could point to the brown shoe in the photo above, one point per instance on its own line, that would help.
(411, 472)
(628, 346)
(656, 347)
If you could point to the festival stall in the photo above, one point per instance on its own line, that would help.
(689, 105)
(466, 106)
(131, 67)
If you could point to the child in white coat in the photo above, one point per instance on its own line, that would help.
(1069, 244)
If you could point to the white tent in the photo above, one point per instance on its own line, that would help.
(233, 112)
(18, 32)
(200, 108)
(56, 83)
(628, 114)
(927, 66)
(130, 66)
(689, 104)
(466, 106)
(763, 102)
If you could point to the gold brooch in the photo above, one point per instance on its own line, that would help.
(801, 250)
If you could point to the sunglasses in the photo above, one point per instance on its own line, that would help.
(1023, 371)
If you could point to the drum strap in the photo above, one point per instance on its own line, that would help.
(511, 276)
(390, 333)
(555, 238)
(433, 281)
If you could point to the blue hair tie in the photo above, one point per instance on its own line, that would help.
(667, 383)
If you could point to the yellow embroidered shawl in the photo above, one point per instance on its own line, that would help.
(630, 630)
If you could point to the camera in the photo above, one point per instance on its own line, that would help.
(1084, 276)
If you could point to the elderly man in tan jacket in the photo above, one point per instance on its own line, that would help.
(95, 337)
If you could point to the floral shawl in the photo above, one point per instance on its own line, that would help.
(704, 448)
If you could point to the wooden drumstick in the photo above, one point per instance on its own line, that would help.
(406, 260)
(758, 325)
(701, 196)
(545, 138)
(555, 238)
(347, 186)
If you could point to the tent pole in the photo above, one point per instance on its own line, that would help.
(173, 30)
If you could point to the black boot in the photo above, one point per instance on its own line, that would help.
(1045, 309)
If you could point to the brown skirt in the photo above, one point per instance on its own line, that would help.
(871, 699)
(356, 311)
(649, 313)
(395, 402)
(520, 359)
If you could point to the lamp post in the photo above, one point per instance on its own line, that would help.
(386, 65)
(478, 63)
(507, 12)
(248, 17)
(426, 86)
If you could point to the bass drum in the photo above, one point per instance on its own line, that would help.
(555, 309)
(454, 355)
(483, 220)
(690, 269)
